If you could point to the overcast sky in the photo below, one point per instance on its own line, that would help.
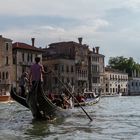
(114, 25)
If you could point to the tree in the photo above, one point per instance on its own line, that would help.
(127, 65)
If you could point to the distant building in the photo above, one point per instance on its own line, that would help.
(23, 57)
(63, 72)
(6, 65)
(96, 70)
(134, 83)
(115, 81)
(134, 86)
(71, 62)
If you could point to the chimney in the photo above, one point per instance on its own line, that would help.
(33, 42)
(97, 49)
(80, 40)
(93, 50)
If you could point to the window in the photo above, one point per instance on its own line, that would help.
(113, 90)
(14, 60)
(31, 58)
(94, 79)
(95, 68)
(23, 57)
(28, 57)
(106, 89)
(3, 76)
(72, 81)
(7, 46)
(62, 68)
(67, 69)
(72, 69)
(7, 75)
(6, 60)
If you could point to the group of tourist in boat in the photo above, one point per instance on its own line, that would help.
(63, 100)
(33, 96)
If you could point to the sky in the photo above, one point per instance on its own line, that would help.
(113, 25)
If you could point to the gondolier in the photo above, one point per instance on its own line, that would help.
(36, 72)
(36, 80)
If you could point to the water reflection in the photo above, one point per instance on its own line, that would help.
(43, 128)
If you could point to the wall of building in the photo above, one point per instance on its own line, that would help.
(134, 86)
(116, 82)
(5, 63)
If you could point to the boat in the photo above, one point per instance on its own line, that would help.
(4, 97)
(90, 99)
(38, 103)
(112, 95)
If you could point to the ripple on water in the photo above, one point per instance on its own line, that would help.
(113, 119)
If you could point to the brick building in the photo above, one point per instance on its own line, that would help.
(71, 62)
(96, 70)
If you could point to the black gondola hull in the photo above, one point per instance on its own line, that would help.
(43, 108)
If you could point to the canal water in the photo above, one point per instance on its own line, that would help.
(114, 118)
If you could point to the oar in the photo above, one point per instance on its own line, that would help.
(72, 96)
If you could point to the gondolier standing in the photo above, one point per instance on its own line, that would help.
(36, 80)
(36, 72)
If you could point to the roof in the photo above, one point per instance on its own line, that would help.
(108, 69)
(19, 45)
(5, 39)
(71, 43)
(60, 43)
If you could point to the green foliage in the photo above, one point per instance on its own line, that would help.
(127, 65)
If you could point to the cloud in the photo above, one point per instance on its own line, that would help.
(110, 24)
(133, 5)
(73, 8)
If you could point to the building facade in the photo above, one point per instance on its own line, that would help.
(74, 63)
(115, 82)
(134, 83)
(5, 63)
(134, 86)
(23, 57)
(96, 70)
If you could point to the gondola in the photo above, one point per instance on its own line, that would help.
(40, 106)
(88, 101)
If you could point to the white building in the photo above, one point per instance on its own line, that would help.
(115, 82)
(23, 57)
